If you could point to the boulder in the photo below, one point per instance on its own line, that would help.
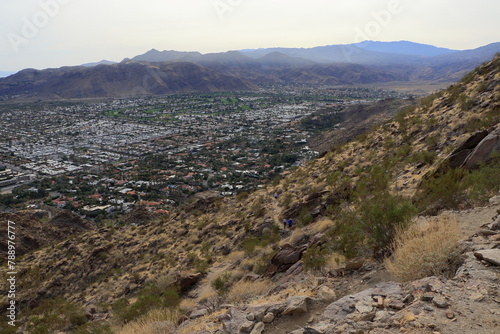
(286, 257)
(460, 154)
(258, 328)
(483, 151)
(296, 304)
(341, 308)
(326, 294)
(246, 327)
(268, 318)
(198, 313)
(489, 255)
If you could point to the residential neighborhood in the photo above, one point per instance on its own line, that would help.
(106, 157)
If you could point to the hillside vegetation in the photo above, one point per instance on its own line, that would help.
(347, 208)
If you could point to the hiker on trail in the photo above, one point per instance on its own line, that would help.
(284, 224)
(275, 195)
(290, 223)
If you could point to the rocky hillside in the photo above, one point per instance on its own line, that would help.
(229, 265)
(43, 227)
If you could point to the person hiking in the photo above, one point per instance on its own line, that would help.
(290, 223)
(284, 224)
(275, 195)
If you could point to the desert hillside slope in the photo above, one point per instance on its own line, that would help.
(228, 265)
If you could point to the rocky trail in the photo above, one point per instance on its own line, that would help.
(368, 300)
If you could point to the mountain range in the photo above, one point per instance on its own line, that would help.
(165, 72)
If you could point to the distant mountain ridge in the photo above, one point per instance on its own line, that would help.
(102, 62)
(404, 47)
(167, 72)
(126, 79)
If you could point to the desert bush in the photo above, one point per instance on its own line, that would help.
(149, 298)
(93, 328)
(425, 157)
(454, 92)
(401, 117)
(251, 243)
(422, 250)
(55, 315)
(222, 283)
(315, 258)
(241, 292)
(457, 187)
(258, 207)
(443, 191)
(468, 78)
(482, 183)
(428, 101)
(373, 225)
(376, 179)
(305, 217)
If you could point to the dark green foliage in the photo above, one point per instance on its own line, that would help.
(442, 192)
(149, 298)
(305, 217)
(222, 284)
(468, 78)
(250, 244)
(372, 226)
(93, 328)
(315, 257)
(55, 315)
(466, 103)
(457, 188)
(262, 262)
(376, 178)
(425, 157)
(258, 208)
(483, 183)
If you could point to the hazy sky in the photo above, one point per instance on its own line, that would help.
(53, 33)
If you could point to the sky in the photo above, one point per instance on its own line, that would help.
(54, 33)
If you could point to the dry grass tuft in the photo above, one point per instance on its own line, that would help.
(204, 324)
(241, 292)
(160, 321)
(235, 257)
(322, 225)
(426, 249)
(187, 305)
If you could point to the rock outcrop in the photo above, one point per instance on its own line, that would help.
(478, 148)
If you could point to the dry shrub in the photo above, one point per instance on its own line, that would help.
(297, 235)
(187, 305)
(160, 321)
(235, 257)
(241, 292)
(429, 248)
(247, 264)
(322, 225)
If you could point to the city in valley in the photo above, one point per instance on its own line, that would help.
(104, 158)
